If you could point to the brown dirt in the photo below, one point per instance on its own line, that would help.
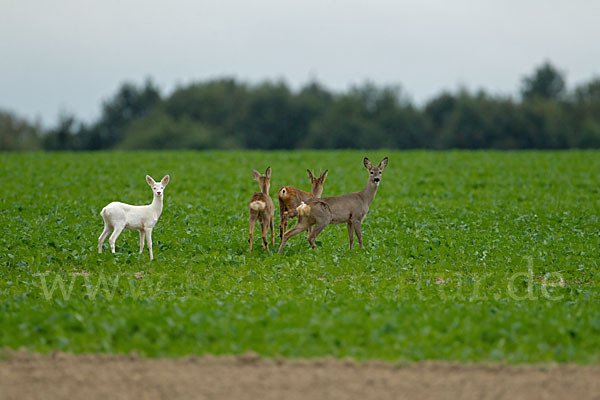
(31, 376)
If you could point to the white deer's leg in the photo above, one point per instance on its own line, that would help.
(114, 236)
(103, 236)
(148, 233)
(142, 236)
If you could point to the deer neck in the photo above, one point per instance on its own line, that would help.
(369, 191)
(264, 189)
(157, 204)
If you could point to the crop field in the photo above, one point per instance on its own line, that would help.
(469, 256)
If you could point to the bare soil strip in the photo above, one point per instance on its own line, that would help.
(97, 376)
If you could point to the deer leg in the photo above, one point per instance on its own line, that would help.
(288, 214)
(350, 234)
(302, 225)
(272, 229)
(142, 236)
(281, 228)
(313, 235)
(148, 233)
(114, 236)
(252, 223)
(309, 231)
(265, 238)
(282, 221)
(356, 226)
(103, 236)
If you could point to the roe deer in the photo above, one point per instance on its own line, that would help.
(261, 208)
(349, 208)
(118, 216)
(290, 198)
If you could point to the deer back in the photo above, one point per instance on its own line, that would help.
(289, 197)
(344, 208)
(265, 198)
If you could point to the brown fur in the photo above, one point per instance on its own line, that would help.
(349, 208)
(290, 198)
(261, 208)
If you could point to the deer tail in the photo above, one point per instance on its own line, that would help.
(303, 209)
(283, 192)
(258, 205)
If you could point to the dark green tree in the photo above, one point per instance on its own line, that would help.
(224, 113)
(17, 133)
(547, 82)
(585, 115)
(219, 104)
(269, 118)
(159, 130)
(62, 137)
(130, 103)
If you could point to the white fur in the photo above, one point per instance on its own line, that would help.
(303, 209)
(258, 205)
(118, 216)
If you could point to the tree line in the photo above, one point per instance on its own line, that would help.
(227, 114)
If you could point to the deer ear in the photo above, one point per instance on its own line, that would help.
(310, 175)
(255, 174)
(368, 164)
(150, 180)
(165, 180)
(383, 164)
(268, 172)
(323, 176)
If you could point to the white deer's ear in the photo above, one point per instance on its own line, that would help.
(383, 164)
(368, 164)
(268, 172)
(310, 175)
(165, 180)
(323, 176)
(255, 174)
(150, 180)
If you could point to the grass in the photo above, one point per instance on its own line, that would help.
(469, 256)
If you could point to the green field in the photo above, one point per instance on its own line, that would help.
(469, 256)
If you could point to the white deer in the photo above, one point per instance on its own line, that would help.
(118, 216)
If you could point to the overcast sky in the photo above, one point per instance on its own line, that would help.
(70, 55)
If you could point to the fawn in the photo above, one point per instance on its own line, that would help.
(290, 198)
(261, 208)
(118, 216)
(349, 208)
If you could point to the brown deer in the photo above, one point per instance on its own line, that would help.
(290, 198)
(261, 208)
(349, 208)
